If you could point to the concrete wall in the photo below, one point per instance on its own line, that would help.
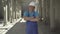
(1, 10)
(51, 10)
(55, 14)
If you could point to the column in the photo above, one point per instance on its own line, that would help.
(52, 16)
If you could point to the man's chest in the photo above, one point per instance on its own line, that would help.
(31, 14)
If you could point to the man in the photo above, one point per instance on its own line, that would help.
(31, 16)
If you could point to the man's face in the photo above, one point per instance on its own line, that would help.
(31, 8)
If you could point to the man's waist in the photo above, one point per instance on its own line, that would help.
(32, 21)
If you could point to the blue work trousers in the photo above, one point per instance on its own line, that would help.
(31, 27)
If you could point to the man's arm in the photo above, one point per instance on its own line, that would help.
(26, 18)
(31, 18)
(35, 19)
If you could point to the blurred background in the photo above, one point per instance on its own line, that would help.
(11, 16)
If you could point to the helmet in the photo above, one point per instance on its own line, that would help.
(32, 4)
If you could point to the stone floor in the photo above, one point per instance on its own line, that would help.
(19, 28)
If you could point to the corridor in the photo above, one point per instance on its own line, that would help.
(12, 21)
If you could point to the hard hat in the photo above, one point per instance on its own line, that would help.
(32, 4)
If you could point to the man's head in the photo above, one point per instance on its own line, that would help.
(32, 6)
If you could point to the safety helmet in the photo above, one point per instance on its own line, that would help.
(32, 4)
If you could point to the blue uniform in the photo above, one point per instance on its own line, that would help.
(31, 27)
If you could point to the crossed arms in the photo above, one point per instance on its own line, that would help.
(31, 18)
